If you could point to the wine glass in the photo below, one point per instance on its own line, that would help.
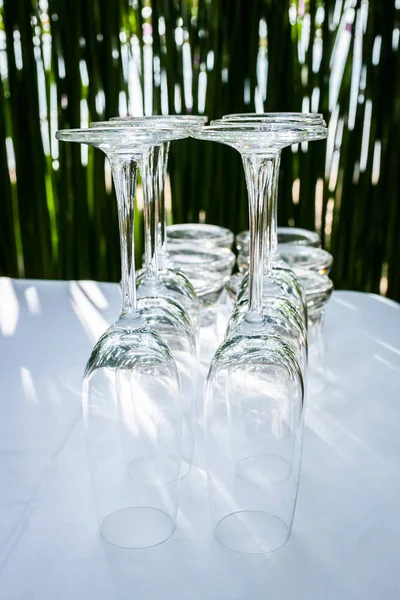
(200, 234)
(173, 279)
(282, 289)
(163, 295)
(311, 266)
(131, 391)
(283, 299)
(297, 255)
(318, 289)
(166, 313)
(298, 237)
(254, 388)
(287, 236)
(171, 282)
(208, 269)
(306, 126)
(279, 278)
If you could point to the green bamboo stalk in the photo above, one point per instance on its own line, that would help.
(8, 224)
(31, 189)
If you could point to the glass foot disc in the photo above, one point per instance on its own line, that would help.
(252, 532)
(137, 527)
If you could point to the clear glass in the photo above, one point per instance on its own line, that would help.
(162, 311)
(168, 319)
(254, 388)
(171, 282)
(187, 123)
(318, 289)
(276, 117)
(279, 278)
(285, 321)
(280, 305)
(254, 418)
(132, 402)
(233, 285)
(166, 301)
(200, 234)
(276, 130)
(132, 415)
(286, 235)
(298, 236)
(295, 253)
(279, 283)
(301, 257)
(208, 270)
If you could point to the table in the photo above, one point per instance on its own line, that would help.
(346, 536)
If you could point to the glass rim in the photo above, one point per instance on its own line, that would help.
(259, 136)
(320, 285)
(213, 256)
(309, 233)
(156, 122)
(113, 135)
(150, 118)
(310, 237)
(300, 117)
(221, 233)
(264, 125)
(317, 257)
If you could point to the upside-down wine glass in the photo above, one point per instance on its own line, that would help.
(174, 282)
(168, 272)
(305, 126)
(281, 303)
(287, 236)
(163, 311)
(165, 314)
(254, 388)
(131, 391)
(200, 234)
(275, 269)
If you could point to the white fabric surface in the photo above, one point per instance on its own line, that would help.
(345, 542)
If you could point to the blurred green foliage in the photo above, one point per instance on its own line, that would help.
(66, 63)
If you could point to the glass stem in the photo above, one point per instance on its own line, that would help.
(149, 170)
(259, 172)
(274, 208)
(162, 213)
(124, 176)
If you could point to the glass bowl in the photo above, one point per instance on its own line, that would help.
(304, 257)
(287, 236)
(208, 270)
(299, 237)
(200, 234)
(317, 289)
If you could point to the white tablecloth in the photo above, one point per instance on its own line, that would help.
(346, 536)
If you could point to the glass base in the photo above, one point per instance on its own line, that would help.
(137, 527)
(252, 532)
